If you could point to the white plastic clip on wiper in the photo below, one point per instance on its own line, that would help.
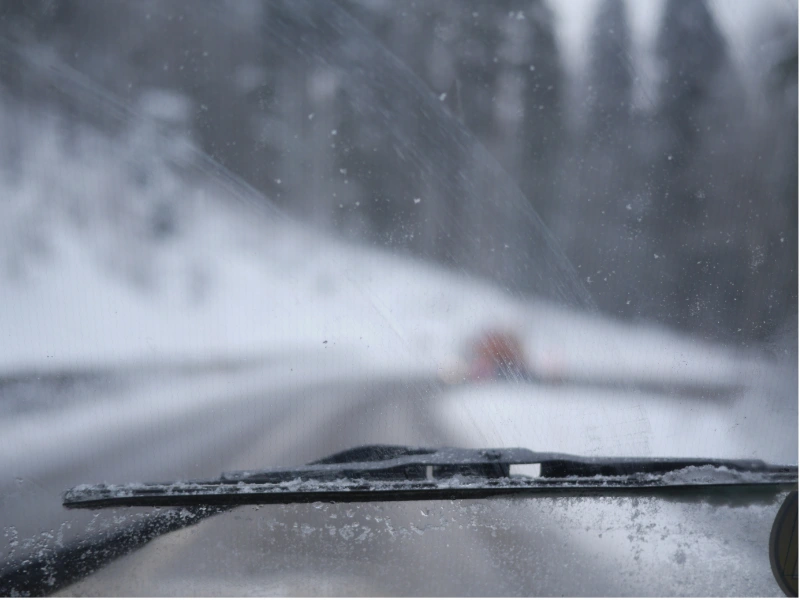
(393, 473)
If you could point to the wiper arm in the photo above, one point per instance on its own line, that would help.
(57, 567)
(395, 473)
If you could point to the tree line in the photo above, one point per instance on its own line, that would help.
(681, 208)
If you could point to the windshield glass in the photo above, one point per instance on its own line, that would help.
(236, 235)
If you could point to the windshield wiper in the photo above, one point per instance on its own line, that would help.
(400, 473)
(386, 473)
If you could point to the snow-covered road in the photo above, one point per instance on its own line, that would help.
(177, 427)
(196, 425)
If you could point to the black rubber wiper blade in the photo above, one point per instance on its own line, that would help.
(400, 473)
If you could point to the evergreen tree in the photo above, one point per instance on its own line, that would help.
(610, 76)
(691, 124)
(602, 239)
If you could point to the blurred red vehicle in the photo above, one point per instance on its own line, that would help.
(497, 354)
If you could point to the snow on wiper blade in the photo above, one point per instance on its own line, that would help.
(392, 473)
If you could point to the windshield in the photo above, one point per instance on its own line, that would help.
(236, 235)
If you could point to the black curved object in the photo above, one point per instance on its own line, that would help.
(380, 473)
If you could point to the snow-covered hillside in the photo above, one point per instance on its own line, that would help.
(115, 255)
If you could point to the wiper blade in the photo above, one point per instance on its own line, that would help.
(399, 473)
